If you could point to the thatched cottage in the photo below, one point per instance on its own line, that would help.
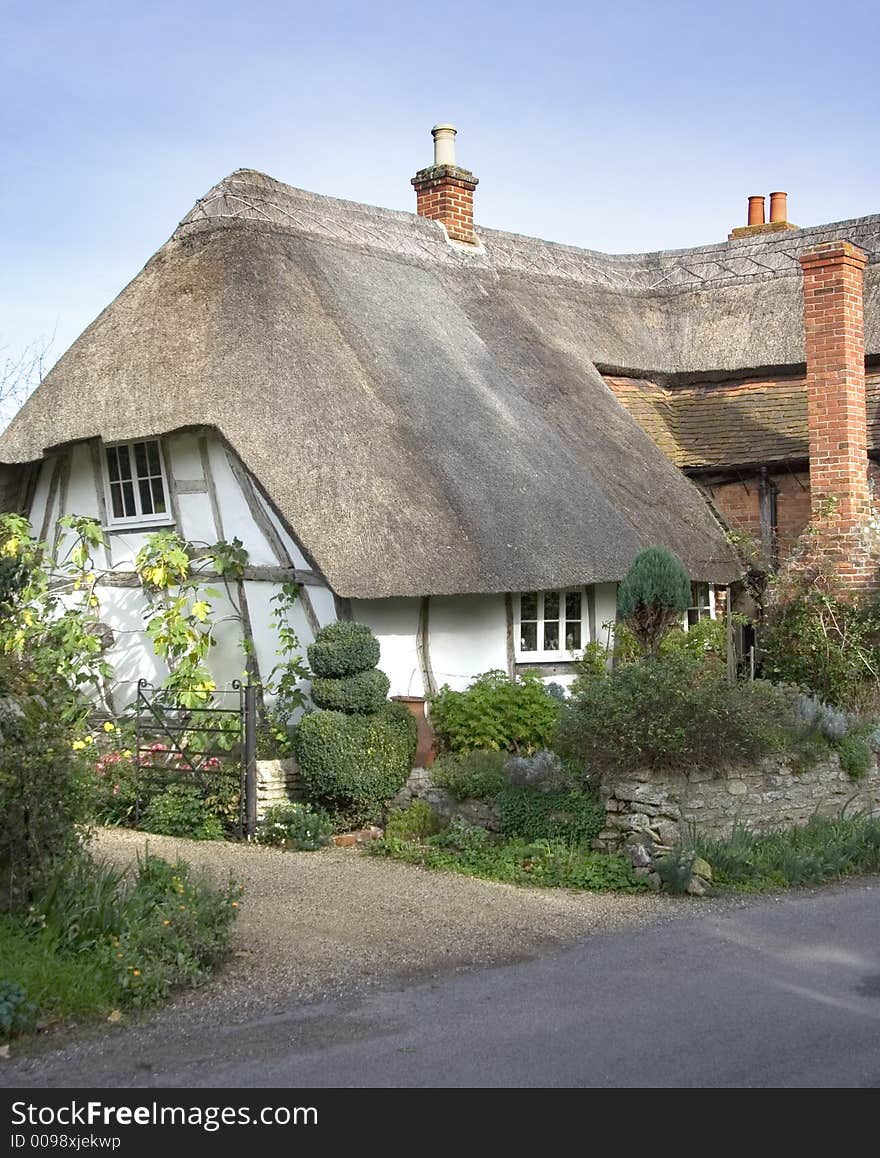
(459, 436)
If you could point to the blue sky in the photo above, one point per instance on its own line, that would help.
(624, 126)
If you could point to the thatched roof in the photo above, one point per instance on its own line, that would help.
(427, 418)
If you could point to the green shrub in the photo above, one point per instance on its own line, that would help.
(45, 786)
(856, 758)
(176, 927)
(181, 810)
(675, 713)
(496, 712)
(653, 596)
(353, 765)
(828, 645)
(477, 775)
(463, 848)
(295, 826)
(535, 815)
(343, 649)
(361, 693)
(823, 850)
(414, 822)
(17, 1014)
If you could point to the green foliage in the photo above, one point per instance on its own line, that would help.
(343, 649)
(477, 775)
(181, 811)
(675, 713)
(535, 815)
(364, 692)
(96, 938)
(353, 765)
(284, 681)
(823, 850)
(856, 757)
(496, 712)
(17, 1014)
(825, 644)
(654, 594)
(50, 613)
(44, 782)
(466, 849)
(295, 826)
(414, 822)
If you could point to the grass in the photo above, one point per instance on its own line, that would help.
(60, 984)
(96, 940)
(472, 851)
(823, 850)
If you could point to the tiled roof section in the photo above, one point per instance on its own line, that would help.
(730, 424)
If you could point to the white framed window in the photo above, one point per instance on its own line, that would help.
(551, 625)
(702, 604)
(137, 485)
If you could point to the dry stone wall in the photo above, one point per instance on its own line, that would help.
(770, 794)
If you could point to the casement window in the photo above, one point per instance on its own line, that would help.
(137, 487)
(551, 625)
(702, 604)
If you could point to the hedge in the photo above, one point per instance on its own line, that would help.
(357, 694)
(343, 649)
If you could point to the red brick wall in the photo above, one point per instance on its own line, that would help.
(738, 504)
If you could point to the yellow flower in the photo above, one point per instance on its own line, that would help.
(235, 904)
(118, 955)
(127, 753)
(137, 972)
(181, 906)
(108, 727)
(78, 745)
(166, 922)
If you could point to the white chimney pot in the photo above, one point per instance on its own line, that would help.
(444, 144)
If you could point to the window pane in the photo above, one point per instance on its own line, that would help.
(551, 605)
(113, 463)
(128, 500)
(146, 496)
(153, 457)
(116, 501)
(158, 496)
(140, 458)
(529, 606)
(551, 635)
(528, 637)
(700, 594)
(572, 635)
(572, 605)
(693, 616)
(124, 462)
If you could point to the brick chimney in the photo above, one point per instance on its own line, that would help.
(836, 409)
(444, 192)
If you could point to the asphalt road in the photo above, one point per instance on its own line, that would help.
(779, 992)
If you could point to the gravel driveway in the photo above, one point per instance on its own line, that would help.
(315, 928)
(319, 923)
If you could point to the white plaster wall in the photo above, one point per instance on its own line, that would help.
(238, 522)
(259, 598)
(467, 636)
(323, 604)
(295, 555)
(606, 614)
(197, 519)
(41, 497)
(395, 623)
(183, 458)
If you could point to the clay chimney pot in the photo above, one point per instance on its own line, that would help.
(779, 207)
(756, 211)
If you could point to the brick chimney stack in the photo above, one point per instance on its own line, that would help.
(445, 192)
(836, 408)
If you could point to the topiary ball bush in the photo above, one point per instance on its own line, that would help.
(353, 765)
(364, 692)
(343, 649)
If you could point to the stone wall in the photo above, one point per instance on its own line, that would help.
(420, 786)
(666, 806)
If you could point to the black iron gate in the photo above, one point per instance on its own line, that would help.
(201, 746)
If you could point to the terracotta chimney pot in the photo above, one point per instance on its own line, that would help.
(756, 211)
(779, 207)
